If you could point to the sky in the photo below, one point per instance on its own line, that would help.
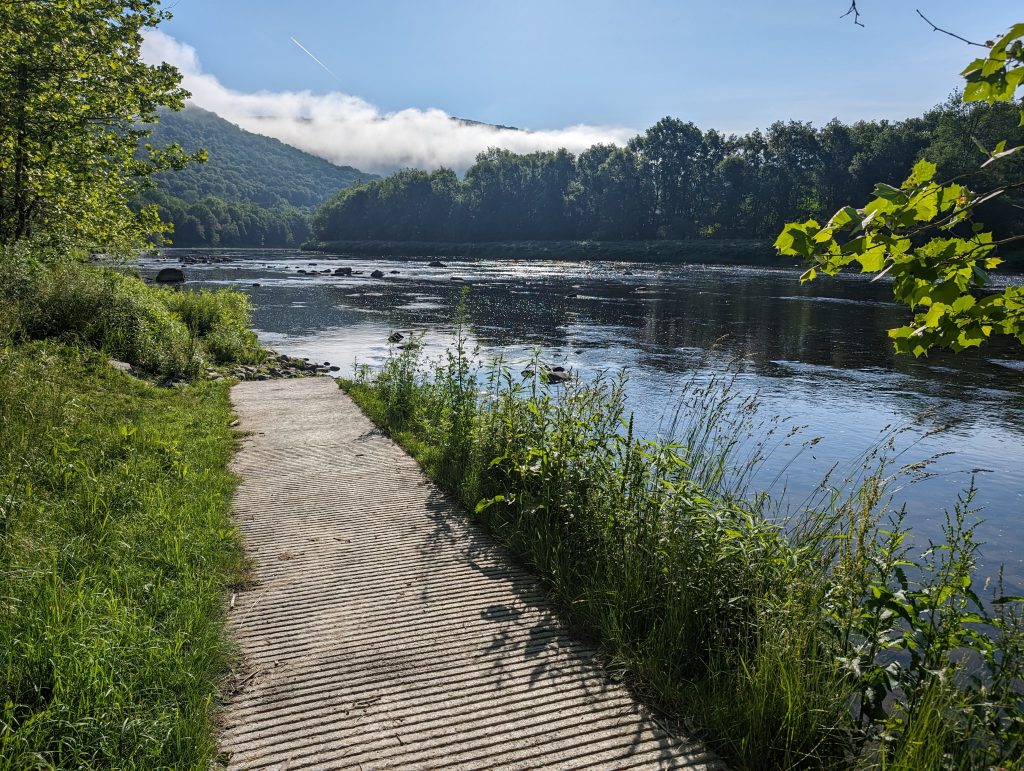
(572, 72)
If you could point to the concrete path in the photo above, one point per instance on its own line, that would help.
(386, 631)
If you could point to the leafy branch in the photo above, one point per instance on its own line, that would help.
(944, 279)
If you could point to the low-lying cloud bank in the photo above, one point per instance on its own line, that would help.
(350, 131)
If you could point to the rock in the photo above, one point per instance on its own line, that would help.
(302, 271)
(257, 286)
(555, 377)
(334, 368)
(394, 273)
(436, 264)
(627, 273)
(528, 373)
(455, 278)
(396, 337)
(343, 272)
(121, 366)
(558, 369)
(170, 276)
(262, 376)
(377, 274)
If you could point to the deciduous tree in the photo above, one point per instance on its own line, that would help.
(74, 95)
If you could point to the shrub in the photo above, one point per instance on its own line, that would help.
(159, 330)
(220, 319)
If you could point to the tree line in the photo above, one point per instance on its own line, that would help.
(675, 181)
(212, 221)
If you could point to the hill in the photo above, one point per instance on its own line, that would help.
(252, 191)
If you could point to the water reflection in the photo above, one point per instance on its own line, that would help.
(816, 352)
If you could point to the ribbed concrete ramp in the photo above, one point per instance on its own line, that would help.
(385, 631)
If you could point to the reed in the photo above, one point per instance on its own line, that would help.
(824, 638)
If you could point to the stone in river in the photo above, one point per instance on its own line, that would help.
(377, 274)
(170, 276)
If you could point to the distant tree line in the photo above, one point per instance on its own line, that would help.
(211, 221)
(675, 181)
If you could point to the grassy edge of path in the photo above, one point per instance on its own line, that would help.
(116, 550)
(739, 630)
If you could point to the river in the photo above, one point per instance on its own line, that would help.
(816, 355)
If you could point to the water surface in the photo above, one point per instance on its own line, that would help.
(817, 353)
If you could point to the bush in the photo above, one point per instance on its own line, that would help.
(159, 330)
(220, 319)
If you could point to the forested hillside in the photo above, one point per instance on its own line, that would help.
(252, 191)
(676, 181)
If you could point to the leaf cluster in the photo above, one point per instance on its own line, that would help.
(924, 236)
(74, 94)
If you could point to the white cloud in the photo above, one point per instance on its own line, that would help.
(350, 131)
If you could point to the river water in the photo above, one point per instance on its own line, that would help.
(815, 354)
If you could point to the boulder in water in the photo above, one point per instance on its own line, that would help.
(170, 276)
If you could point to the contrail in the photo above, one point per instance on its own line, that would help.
(310, 55)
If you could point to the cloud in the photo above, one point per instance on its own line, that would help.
(350, 131)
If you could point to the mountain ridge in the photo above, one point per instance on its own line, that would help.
(253, 191)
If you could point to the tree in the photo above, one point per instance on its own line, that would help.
(923, 234)
(74, 96)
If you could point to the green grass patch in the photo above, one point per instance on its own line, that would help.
(162, 331)
(116, 549)
(823, 641)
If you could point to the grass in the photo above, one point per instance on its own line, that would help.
(116, 540)
(162, 331)
(117, 546)
(825, 641)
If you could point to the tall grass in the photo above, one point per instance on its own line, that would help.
(822, 641)
(116, 547)
(159, 330)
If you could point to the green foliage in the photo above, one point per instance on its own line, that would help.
(116, 548)
(244, 167)
(162, 331)
(672, 182)
(826, 641)
(924, 236)
(72, 92)
(252, 191)
(212, 221)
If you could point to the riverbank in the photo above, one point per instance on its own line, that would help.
(704, 251)
(117, 546)
(731, 252)
(825, 644)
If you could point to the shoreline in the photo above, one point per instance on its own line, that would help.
(737, 252)
(693, 251)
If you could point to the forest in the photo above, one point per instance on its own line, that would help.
(251, 191)
(676, 181)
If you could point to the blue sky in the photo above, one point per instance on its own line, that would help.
(731, 64)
